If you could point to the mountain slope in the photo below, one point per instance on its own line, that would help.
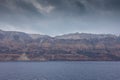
(16, 46)
(84, 36)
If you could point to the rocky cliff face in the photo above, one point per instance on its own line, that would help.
(15, 46)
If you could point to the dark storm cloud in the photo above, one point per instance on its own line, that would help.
(60, 6)
(60, 16)
(64, 5)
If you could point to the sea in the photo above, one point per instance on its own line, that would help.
(60, 70)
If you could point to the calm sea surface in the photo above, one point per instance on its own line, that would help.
(60, 70)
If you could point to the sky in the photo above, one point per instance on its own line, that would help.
(56, 17)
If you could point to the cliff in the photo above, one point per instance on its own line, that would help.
(19, 46)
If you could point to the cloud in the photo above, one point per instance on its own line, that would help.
(42, 9)
(60, 16)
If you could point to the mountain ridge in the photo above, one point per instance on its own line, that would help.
(74, 46)
(64, 35)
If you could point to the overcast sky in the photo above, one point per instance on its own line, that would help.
(54, 17)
